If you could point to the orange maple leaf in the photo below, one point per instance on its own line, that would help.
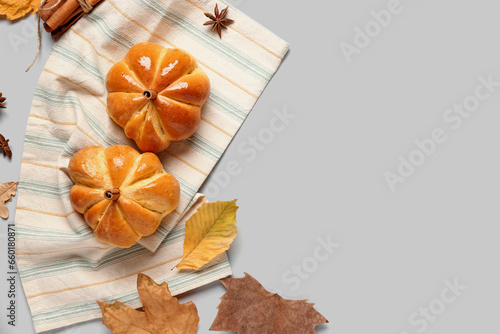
(14, 9)
(162, 313)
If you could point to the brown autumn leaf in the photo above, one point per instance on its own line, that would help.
(248, 308)
(163, 314)
(7, 190)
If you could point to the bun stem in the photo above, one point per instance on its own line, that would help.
(112, 194)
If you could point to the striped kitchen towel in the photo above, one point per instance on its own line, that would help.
(63, 268)
(62, 286)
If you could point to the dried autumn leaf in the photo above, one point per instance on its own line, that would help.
(248, 308)
(209, 232)
(15, 9)
(163, 314)
(7, 190)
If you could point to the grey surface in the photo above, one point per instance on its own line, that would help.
(322, 175)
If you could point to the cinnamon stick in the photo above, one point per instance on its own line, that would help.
(62, 17)
(65, 11)
(45, 13)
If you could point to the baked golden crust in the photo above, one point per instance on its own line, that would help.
(156, 95)
(142, 192)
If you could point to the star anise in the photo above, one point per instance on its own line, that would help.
(4, 146)
(218, 21)
(2, 99)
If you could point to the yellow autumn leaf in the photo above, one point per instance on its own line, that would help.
(209, 232)
(15, 9)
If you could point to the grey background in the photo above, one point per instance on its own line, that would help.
(323, 174)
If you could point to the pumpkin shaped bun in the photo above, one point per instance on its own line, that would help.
(122, 194)
(156, 95)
